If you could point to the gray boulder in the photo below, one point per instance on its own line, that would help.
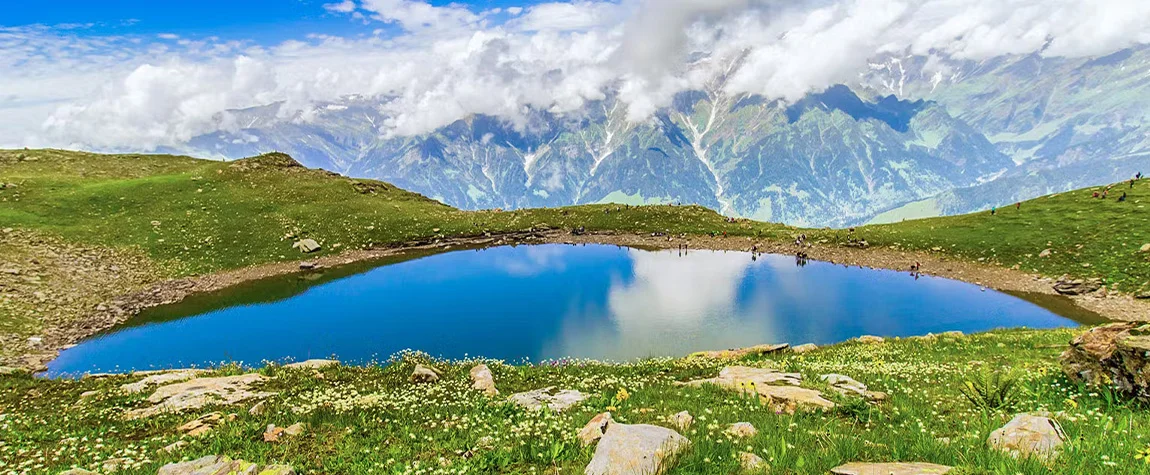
(1113, 355)
(635, 450)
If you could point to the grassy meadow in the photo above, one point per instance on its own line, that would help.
(372, 420)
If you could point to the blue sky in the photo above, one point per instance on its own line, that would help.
(263, 21)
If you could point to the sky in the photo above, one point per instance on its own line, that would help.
(135, 75)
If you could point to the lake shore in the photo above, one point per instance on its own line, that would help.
(61, 335)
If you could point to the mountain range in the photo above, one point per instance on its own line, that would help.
(912, 137)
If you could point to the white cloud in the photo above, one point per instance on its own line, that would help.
(67, 88)
(346, 6)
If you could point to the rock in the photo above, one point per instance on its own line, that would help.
(898, 468)
(741, 430)
(595, 428)
(312, 364)
(296, 429)
(762, 381)
(1077, 286)
(635, 450)
(157, 379)
(215, 464)
(682, 420)
(88, 394)
(1029, 435)
(870, 339)
(735, 354)
(115, 464)
(804, 348)
(258, 409)
(202, 425)
(1046, 253)
(307, 246)
(543, 398)
(1144, 248)
(752, 463)
(35, 341)
(307, 265)
(1113, 355)
(77, 471)
(483, 380)
(846, 385)
(199, 392)
(174, 446)
(424, 374)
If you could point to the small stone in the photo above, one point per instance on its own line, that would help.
(307, 246)
(307, 265)
(635, 450)
(273, 433)
(424, 374)
(741, 430)
(846, 385)
(173, 447)
(1046, 253)
(1145, 248)
(77, 471)
(483, 380)
(682, 420)
(88, 394)
(752, 463)
(1029, 435)
(595, 428)
(258, 409)
(804, 348)
(898, 468)
(202, 425)
(870, 339)
(296, 429)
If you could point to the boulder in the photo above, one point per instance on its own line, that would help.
(1077, 286)
(1113, 355)
(735, 354)
(897, 468)
(635, 450)
(483, 380)
(1144, 248)
(307, 246)
(741, 430)
(595, 428)
(752, 463)
(312, 364)
(424, 374)
(548, 398)
(870, 339)
(1029, 435)
(848, 386)
(682, 420)
(804, 348)
(199, 392)
(763, 381)
(215, 464)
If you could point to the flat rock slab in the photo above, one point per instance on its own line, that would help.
(847, 385)
(157, 379)
(1029, 435)
(901, 468)
(312, 364)
(200, 392)
(216, 465)
(763, 381)
(740, 352)
(635, 450)
(548, 398)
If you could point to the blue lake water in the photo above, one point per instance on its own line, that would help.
(544, 302)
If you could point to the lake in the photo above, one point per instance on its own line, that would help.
(530, 303)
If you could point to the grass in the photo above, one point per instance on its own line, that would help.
(371, 420)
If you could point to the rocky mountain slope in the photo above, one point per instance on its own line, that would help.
(909, 130)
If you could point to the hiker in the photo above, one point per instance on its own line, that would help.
(1138, 176)
(1122, 198)
(1095, 195)
(993, 210)
(1131, 183)
(1018, 205)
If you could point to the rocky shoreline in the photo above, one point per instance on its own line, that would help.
(58, 336)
